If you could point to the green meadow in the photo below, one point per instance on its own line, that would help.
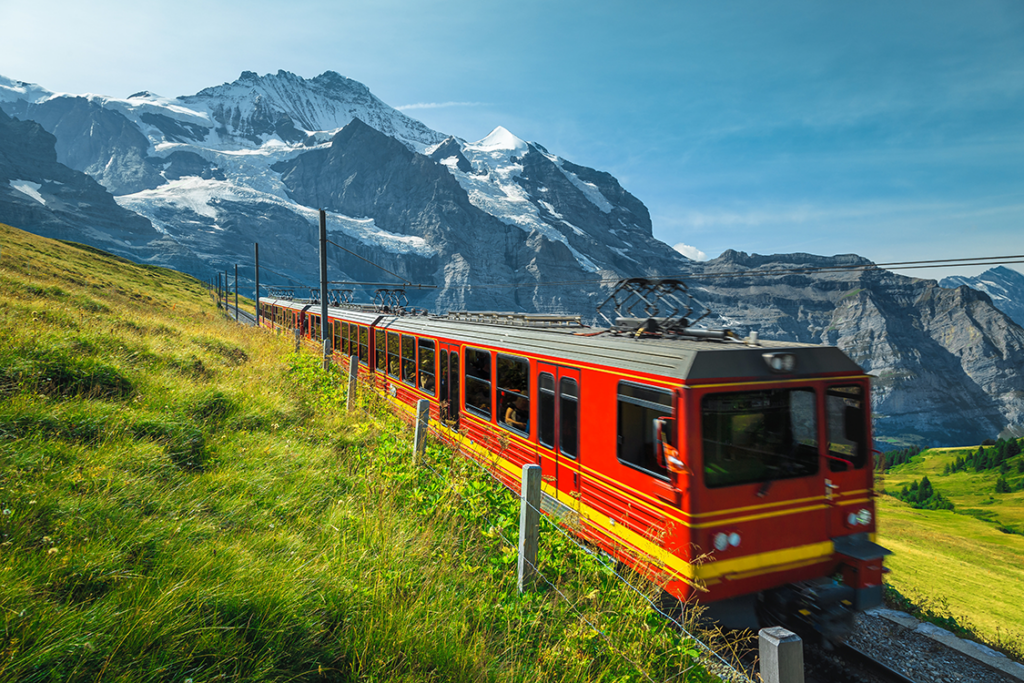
(185, 499)
(964, 566)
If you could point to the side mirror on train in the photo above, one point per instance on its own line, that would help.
(665, 451)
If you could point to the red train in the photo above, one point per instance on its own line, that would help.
(737, 472)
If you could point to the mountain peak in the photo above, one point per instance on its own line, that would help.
(499, 139)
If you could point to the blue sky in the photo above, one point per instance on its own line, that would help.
(891, 130)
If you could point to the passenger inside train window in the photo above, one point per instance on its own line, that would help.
(426, 378)
(409, 359)
(517, 415)
(514, 392)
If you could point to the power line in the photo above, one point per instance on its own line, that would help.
(348, 251)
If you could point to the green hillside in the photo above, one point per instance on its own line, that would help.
(185, 499)
(966, 562)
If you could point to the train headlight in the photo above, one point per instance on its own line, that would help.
(851, 519)
(780, 362)
(721, 542)
(734, 539)
(864, 516)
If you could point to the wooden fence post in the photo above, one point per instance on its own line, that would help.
(422, 423)
(782, 655)
(353, 372)
(529, 525)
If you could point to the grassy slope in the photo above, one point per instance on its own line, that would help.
(960, 566)
(954, 563)
(971, 492)
(182, 498)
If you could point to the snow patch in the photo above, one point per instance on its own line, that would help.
(589, 190)
(27, 187)
(364, 230)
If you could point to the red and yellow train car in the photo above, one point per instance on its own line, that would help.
(735, 472)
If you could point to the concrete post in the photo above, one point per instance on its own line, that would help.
(353, 372)
(298, 338)
(529, 525)
(782, 656)
(327, 352)
(422, 423)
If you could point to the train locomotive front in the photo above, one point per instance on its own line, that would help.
(770, 448)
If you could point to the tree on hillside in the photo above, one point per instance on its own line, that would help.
(1002, 486)
(921, 495)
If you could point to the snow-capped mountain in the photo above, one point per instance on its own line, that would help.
(253, 161)
(1004, 286)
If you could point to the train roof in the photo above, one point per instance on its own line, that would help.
(686, 360)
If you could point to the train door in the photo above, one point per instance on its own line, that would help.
(847, 472)
(558, 425)
(449, 387)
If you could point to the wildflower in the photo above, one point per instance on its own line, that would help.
(51, 551)
(6, 511)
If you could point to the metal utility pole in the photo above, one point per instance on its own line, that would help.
(324, 333)
(227, 289)
(257, 284)
(236, 292)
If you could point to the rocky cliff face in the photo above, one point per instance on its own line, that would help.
(37, 190)
(935, 352)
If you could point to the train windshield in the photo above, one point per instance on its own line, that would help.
(759, 436)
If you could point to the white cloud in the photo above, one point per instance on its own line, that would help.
(689, 252)
(439, 105)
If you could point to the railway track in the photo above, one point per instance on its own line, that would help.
(871, 665)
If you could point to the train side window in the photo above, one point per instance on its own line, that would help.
(364, 345)
(478, 382)
(426, 378)
(514, 393)
(409, 359)
(394, 355)
(341, 337)
(638, 407)
(568, 417)
(847, 443)
(382, 355)
(546, 409)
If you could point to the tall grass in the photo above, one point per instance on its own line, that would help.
(185, 499)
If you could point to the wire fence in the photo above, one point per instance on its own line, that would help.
(707, 649)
